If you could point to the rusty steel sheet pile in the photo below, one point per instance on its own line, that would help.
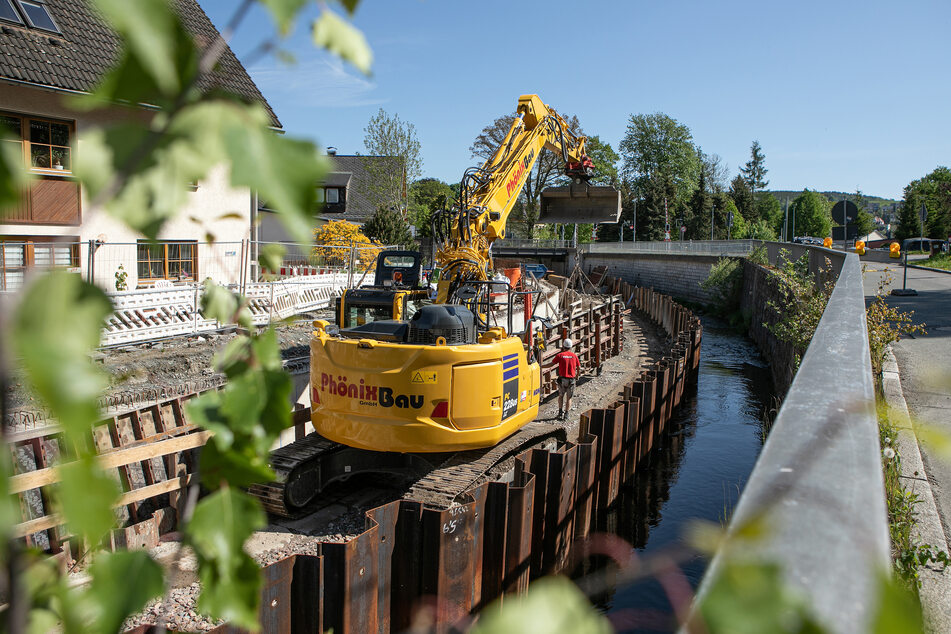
(415, 564)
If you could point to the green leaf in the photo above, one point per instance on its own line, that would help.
(343, 39)
(267, 349)
(230, 579)
(86, 496)
(149, 30)
(12, 175)
(218, 303)
(205, 412)
(276, 416)
(553, 605)
(43, 621)
(284, 12)
(55, 327)
(122, 583)
(898, 609)
(751, 598)
(283, 171)
(272, 256)
(233, 360)
(242, 464)
(350, 5)
(243, 400)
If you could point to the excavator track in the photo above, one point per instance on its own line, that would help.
(287, 463)
(464, 469)
(306, 467)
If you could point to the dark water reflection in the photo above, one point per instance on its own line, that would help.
(697, 472)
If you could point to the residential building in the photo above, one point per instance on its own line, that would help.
(351, 190)
(51, 50)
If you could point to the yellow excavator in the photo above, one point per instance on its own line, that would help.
(401, 381)
(444, 378)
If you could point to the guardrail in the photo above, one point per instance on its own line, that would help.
(520, 243)
(818, 481)
(698, 247)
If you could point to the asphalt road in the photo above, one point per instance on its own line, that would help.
(924, 362)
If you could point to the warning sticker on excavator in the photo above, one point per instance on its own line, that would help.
(423, 377)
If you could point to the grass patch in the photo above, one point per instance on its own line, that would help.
(907, 555)
(937, 261)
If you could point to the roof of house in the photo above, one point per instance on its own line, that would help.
(338, 179)
(86, 48)
(359, 205)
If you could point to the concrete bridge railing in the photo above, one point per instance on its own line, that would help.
(818, 482)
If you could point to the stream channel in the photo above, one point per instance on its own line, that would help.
(696, 473)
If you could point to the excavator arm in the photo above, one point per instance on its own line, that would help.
(489, 193)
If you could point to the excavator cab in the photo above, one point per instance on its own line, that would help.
(396, 294)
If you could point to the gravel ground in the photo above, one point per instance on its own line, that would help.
(150, 371)
(177, 611)
(644, 343)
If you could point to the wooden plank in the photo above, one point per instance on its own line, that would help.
(51, 521)
(36, 525)
(114, 459)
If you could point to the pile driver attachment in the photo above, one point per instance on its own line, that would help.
(579, 204)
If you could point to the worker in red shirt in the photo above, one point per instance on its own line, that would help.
(568, 365)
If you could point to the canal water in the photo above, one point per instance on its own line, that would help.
(696, 473)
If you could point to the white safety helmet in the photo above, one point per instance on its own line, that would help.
(567, 343)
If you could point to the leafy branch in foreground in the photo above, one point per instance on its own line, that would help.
(138, 172)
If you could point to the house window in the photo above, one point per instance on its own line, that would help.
(320, 195)
(167, 261)
(8, 13)
(20, 253)
(37, 15)
(49, 145)
(46, 142)
(333, 195)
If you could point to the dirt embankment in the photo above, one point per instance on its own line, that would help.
(150, 371)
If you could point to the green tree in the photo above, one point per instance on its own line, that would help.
(426, 196)
(548, 171)
(864, 224)
(743, 198)
(934, 191)
(716, 171)
(770, 211)
(759, 229)
(909, 219)
(605, 162)
(659, 161)
(701, 203)
(386, 226)
(755, 169)
(389, 136)
(812, 212)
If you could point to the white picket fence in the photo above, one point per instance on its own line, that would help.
(155, 313)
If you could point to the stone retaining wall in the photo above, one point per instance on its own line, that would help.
(676, 275)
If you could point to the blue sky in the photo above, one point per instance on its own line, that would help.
(841, 95)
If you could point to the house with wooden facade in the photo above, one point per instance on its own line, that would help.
(50, 50)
